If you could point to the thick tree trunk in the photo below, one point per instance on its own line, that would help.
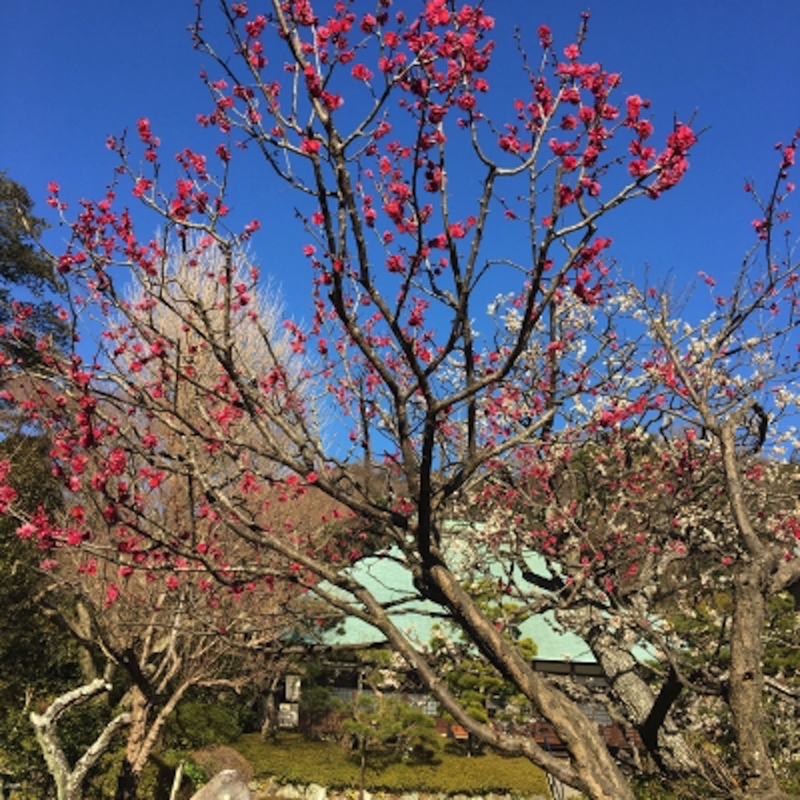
(751, 577)
(747, 682)
(128, 781)
(597, 774)
(143, 737)
(660, 735)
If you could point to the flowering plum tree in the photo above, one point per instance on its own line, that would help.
(126, 606)
(467, 341)
(158, 644)
(676, 496)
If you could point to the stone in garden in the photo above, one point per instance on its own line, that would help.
(225, 785)
(289, 792)
(316, 792)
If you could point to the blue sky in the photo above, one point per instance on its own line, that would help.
(77, 71)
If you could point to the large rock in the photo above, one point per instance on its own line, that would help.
(316, 792)
(225, 785)
(289, 792)
(216, 758)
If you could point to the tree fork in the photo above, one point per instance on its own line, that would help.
(598, 774)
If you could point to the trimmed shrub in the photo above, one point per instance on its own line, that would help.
(195, 724)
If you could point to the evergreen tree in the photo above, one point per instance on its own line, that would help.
(383, 726)
(27, 273)
(38, 659)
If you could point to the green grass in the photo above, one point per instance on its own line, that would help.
(294, 759)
